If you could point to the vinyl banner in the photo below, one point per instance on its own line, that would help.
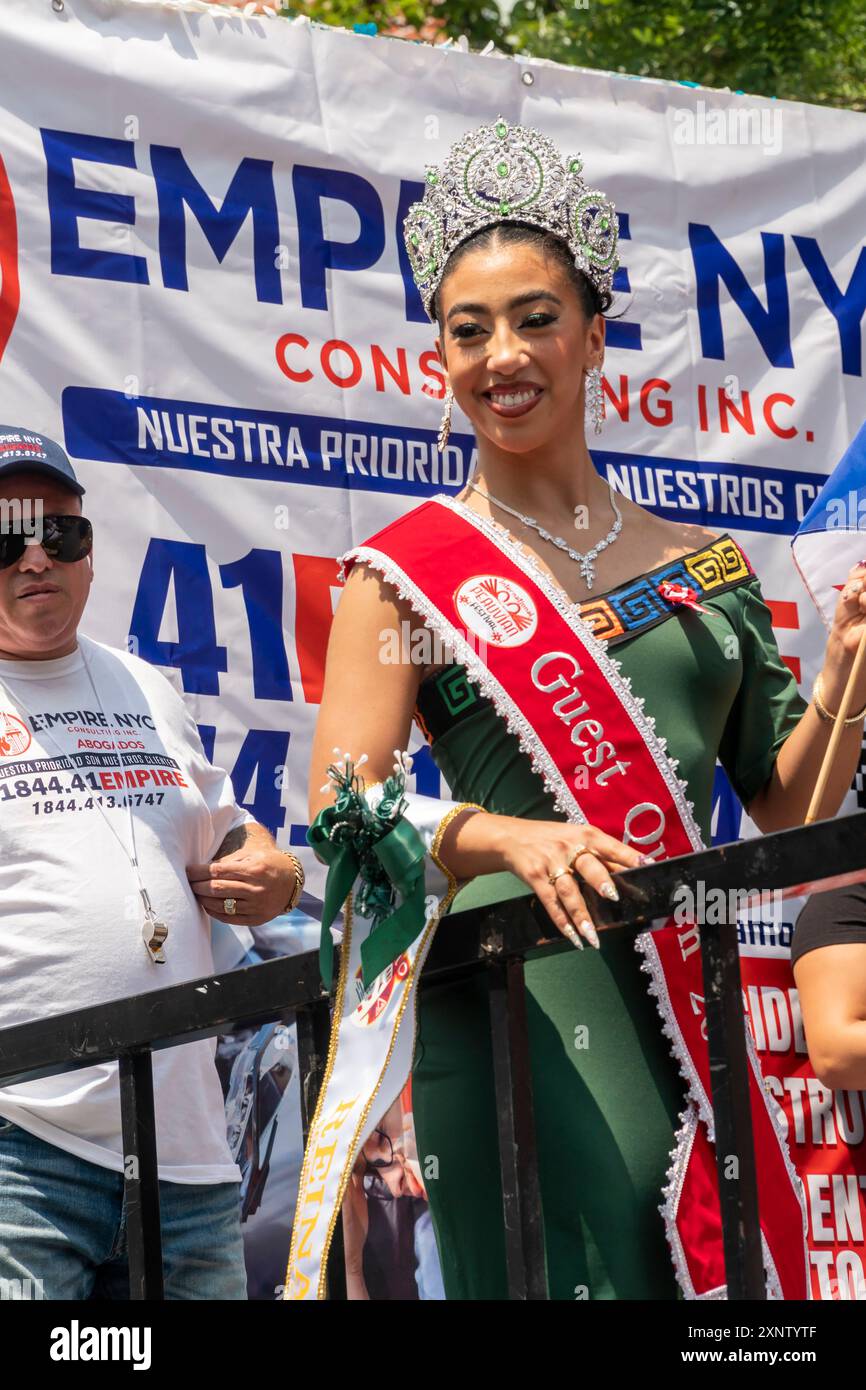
(205, 296)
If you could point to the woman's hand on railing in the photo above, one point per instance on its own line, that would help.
(538, 852)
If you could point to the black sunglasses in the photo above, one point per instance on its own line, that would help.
(373, 1164)
(63, 538)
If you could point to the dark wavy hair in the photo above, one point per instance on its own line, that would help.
(497, 234)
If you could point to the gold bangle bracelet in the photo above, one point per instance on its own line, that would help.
(446, 820)
(824, 713)
(440, 832)
(299, 877)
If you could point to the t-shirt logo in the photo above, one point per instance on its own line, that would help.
(15, 737)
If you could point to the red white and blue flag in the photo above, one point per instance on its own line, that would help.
(832, 537)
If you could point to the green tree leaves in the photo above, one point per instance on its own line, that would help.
(800, 50)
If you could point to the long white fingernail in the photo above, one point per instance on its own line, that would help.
(573, 937)
(591, 934)
(608, 891)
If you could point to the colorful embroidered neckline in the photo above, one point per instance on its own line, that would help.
(642, 602)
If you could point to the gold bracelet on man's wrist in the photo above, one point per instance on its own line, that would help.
(299, 880)
(824, 713)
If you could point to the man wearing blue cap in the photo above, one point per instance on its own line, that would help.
(118, 840)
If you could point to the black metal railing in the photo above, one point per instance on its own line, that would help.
(495, 939)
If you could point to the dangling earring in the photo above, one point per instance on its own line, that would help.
(445, 427)
(594, 399)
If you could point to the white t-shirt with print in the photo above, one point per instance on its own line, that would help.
(70, 909)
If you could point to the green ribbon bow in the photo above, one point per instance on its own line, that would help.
(401, 853)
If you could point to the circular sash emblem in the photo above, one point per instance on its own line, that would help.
(496, 609)
(15, 737)
(374, 1001)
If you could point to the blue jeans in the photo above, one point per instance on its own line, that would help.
(63, 1228)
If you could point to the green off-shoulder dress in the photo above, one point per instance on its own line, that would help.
(605, 1112)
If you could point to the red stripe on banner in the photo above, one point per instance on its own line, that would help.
(10, 291)
(315, 581)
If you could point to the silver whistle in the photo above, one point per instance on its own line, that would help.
(154, 933)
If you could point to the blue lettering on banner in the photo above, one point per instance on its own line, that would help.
(262, 751)
(848, 308)
(324, 451)
(207, 734)
(714, 265)
(269, 444)
(196, 653)
(251, 192)
(66, 203)
(316, 253)
(260, 577)
(731, 496)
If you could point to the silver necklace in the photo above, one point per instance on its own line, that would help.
(586, 561)
(153, 931)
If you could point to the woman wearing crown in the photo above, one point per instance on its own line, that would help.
(598, 660)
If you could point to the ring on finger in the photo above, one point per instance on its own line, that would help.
(551, 878)
(581, 849)
(230, 906)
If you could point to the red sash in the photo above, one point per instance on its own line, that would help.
(586, 734)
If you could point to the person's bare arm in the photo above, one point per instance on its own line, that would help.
(367, 701)
(245, 836)
(356, 1224)
(831, 982)
(784, 801)
(367, 705)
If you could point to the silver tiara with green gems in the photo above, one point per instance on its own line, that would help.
(508, 173)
